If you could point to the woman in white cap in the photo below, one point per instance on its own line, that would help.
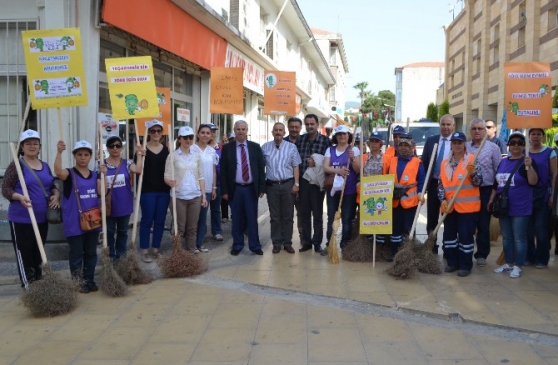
(189, 183)
(40, 183)
(81, 193)
(341, 159)
(155, 196)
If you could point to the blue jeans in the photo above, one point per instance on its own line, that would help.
(514, 238)
(202, 222)
(83, 255)
(347, 210)
(118, 226)
(154, 207)
(538, 228)
(215, 207)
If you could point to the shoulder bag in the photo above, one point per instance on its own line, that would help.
(54, 215)
(501, 204)
(108, 195)
(91, 218)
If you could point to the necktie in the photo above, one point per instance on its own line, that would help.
(244, 161)
(440, 158)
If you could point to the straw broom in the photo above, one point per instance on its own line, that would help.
(111, 283)
(333, 250)
(179, 263)
(128, 266)
(51, 295)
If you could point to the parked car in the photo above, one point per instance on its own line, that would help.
(420, 131)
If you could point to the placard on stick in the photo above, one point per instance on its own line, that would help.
(227, 91)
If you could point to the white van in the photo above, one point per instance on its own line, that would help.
(420, 131)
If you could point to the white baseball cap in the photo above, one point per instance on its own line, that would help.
(342, 129)
(153, 123)
(81, 145)
(29, 134)
(185, 131)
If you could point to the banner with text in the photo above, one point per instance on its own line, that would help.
(164, 103)
(376, 210)
(132, 87)
(528, 94)
(280, 93)
(227, 91)
(55, 73)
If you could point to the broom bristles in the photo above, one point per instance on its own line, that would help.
(404, 263)
(129, 269)
(180, 263)
(50, 296)
(111, 283)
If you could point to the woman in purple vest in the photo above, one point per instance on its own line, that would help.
(340, 159)
(515, 224)
(23, 237)
(79, 183)
(122, 197)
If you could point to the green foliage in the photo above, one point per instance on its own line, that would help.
(362, 92)
(549, 135)
(432, 112)
(377, 104)
(555, 99)
(443, 109)
(555, 120)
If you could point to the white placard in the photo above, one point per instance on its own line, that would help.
(183, 115)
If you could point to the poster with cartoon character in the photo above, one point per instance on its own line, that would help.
(528, 94)
(54, 61)
(164, 103)
(279, 93)
(132, 87)
(376, 211)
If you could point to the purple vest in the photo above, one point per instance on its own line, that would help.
(18, 213)
(88, 199)
(520, 193)
(122, 197)
(542, 159)
(341, 161)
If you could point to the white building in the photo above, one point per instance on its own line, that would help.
(415, 87)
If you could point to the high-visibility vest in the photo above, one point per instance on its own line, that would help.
(408, 177)
(390, 151)
(468, 199)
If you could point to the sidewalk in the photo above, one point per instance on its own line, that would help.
(298, 309)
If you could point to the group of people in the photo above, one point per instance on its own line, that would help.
(200, 173)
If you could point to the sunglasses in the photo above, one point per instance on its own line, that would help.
(155, 131)
(489, 126)
(188, 137)
(516, 143)
(115, 145)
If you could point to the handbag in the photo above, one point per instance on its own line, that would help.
(54, 215)
(108, 195)
(90, 219)
(328, 181)
(500, 205)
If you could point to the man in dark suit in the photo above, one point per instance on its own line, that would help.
(447, 126)
(242, 182)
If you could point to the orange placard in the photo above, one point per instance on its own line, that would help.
(227, 90)
(280, 93)
(528, 95)
(164, 101)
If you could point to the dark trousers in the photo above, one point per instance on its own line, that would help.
(432, 207)
(244, 208)
(224, 208)
(483, 224)
(347, 214)
(83, 255)
(215, 207)
(117, 226)
(27, 252)
(402, 223)
(281, 209)
(459, 240)
(538, 253)
(553, 231)
(311, 200)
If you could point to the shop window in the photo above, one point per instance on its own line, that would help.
(163, 74)
(183, 82)
(109, 50)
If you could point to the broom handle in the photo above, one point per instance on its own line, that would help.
(25, 114)
(60, 130)
(140, 182)
(527, 147)
(173, 189)
(30, 209)
(103, 187)
(444, 215)
(412, 232)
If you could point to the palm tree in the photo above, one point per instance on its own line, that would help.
(362, 92)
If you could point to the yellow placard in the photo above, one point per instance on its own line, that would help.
(376, 210)
(55, 73)
(528, 94)
(132, 87)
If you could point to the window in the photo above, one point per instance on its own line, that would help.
(522, 12)
(269, 44)
(496, 54)
(496, 32)
(521, 37)
(552, 19)
(109, 50)
(163, 74)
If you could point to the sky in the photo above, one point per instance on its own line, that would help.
(381, 35)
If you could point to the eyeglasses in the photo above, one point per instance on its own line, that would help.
(115, 145)
(489, 126)
(478, 129)
(155, 131)
(516, 143)
(188, 137)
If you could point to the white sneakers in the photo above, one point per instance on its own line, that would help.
(515, 270)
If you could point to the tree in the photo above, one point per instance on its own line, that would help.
(362, 92)
(443, 109)
(377, 105)
(432, 112)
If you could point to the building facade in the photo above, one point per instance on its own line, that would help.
(415, 88)
(484, 36)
